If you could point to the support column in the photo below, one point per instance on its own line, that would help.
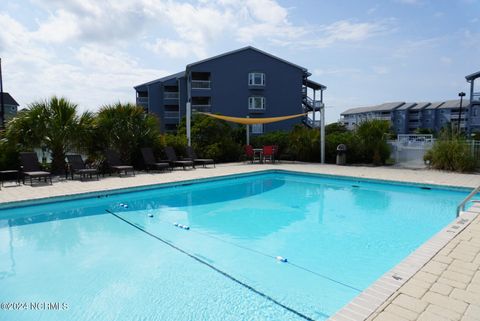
(322, 129)
(188, 108)
(248, 132)
(189, 123)
(314, 111)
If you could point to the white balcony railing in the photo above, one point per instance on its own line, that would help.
(171, 114)
(202, 108)
(142, 100)
(200, 84)
(254, 108)
(170, 95)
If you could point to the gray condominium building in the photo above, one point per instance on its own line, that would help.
(239, 83)
(408, 117)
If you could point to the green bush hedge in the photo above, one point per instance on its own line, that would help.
(451, 153)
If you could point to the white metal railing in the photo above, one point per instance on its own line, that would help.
(171, 114)
(389, 118)
(312, 123)
(202, 108)
(461, 206)
(200, 84)
(170, 95)
(476, 96)
(142, 100)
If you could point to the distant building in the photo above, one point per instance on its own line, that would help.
(406, 118)
(474, 110)
(10, 107)
(240, 83)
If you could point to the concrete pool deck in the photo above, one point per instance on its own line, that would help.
(439, 281)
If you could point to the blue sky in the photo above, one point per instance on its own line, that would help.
(366, 52)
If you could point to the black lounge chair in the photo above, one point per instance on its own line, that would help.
(115, 164)
(76, 165)
(31, 167)
(151, 162)
(201, 161)
(172, 158)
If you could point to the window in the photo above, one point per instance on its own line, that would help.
(256, 103)
(475, 112)
(257, 129)
(256, 79)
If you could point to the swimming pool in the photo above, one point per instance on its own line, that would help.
(121, 257)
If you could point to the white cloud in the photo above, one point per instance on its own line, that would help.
(381, 70)
(86, 49)
(336, 71)
(347, 31)
(59, 28)
(446, 60)
(414, 2)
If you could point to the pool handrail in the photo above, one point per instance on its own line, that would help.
(461, 206)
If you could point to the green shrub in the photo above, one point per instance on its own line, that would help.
(278, 138)
(304, 144)
(214, 138)
(372, 136)
(178, 142)
(8, 155)
(350, 140)
(451, 153)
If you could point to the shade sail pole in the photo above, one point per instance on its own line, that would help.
(322, 129)
(248, 132)
(189, 123)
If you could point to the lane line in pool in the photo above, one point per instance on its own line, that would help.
(275, 258)
(269, 298)
(270, 256)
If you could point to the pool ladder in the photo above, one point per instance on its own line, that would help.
(461, 206)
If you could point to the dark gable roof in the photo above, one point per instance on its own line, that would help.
(473, 76)
(163, 79)
(243, 49)
(8, 100)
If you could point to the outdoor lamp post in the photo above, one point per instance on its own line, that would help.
(461, 95)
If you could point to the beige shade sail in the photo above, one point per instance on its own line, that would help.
(252, 121)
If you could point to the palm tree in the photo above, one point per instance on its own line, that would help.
(373, 138)
(52, 124)
(126, 128)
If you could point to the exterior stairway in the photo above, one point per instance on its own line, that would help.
(309, 105)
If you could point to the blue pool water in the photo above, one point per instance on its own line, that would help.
(93, 259)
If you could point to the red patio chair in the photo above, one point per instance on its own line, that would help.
(268, 153)
(249, 152)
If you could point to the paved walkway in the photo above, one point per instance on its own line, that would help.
(446, 288)
(62, 187)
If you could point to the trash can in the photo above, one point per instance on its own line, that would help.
(341, 154)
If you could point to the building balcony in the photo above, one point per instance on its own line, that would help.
(476, 97)
(254, 110)
(201, 84)
(142, 100)
(389, 118)
(170, 95)
(202, 108)
(171, 114)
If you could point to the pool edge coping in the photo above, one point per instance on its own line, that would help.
(370, 300)
(146, 187)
